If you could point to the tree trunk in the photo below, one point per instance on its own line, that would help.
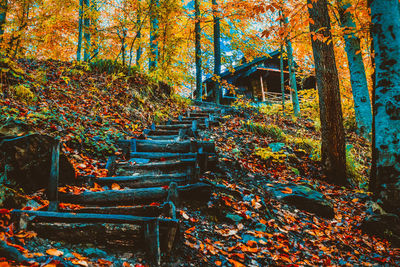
(333, 152)
(199, 85)
(385, 173)
(139, 36)
(79, 49)
(292, 76)
(3, 15)
(217, 52)
(282, 80)
(153, 34)
(86, 24)
(362, 103)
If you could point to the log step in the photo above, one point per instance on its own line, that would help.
(179, 126)
(184, 146)
(147, 180)
(166, 209)
(161, 166)
(150, 225)
(199, 191)
(168, 155)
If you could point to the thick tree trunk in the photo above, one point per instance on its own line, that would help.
(333, 152)
(217, 52)
(80, 32)
(86, 24)
(3, 16)
(153, 34)
(385, 173)
(358, 78)
(292, 76)
(199, 84)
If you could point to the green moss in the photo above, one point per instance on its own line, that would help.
(270, 130)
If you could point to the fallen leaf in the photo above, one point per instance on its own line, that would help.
(54, 252)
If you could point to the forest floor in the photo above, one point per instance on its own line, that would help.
(263, 158)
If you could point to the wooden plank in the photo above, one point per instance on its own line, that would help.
(52, 193)
(262, 88)
(152, 238)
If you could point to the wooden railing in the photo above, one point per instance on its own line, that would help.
(277, 97)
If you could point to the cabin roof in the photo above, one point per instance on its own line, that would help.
(246, 68)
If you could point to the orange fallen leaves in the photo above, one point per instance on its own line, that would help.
(115, 186)
(54, 252)
(287, 190)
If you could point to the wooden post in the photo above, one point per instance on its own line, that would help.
(262, 88)
(173, 194)
(194, 125)
(152, 237)
(110, 165)
(52, 193)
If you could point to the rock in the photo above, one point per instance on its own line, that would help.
(303, 198)
(28, 160)
(32, 204)
(276, 147)
(95, 253)
(234, 217)
(385, 225)
(11, 253)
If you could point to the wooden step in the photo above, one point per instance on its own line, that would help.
(73, 223)
(148, 180)
(184, 146)
(198, 191)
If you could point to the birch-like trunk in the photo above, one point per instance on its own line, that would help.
(292, 76)
(358, 78)
(199, 87)
(153, 34)
(385, 174)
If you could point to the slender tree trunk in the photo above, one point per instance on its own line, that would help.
(139, 36)
(80, 34)
(333, 151)
(123, 46)
(358, 78)
(3, 15)
(217, 51)
(292, 76)
(153, 34)
(86, 24)
(97, 36)
(386, 165)
(282, 81)
(199, 85)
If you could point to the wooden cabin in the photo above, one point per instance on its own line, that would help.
(259, 80)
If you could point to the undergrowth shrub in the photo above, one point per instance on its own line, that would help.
(270, 130)
(354, 168)
(23, 93)
(268, 154)
(308, 145)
